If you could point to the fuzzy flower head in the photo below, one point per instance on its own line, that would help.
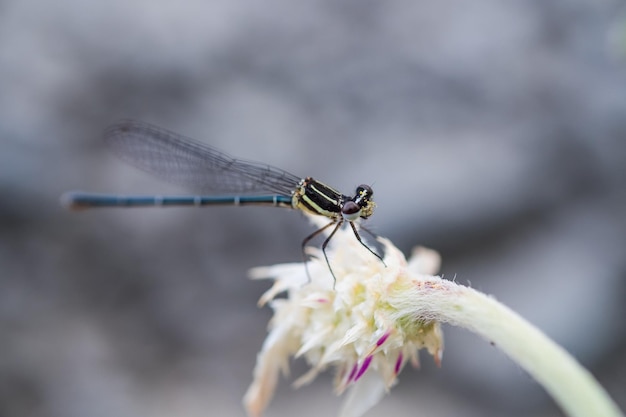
(363, 327)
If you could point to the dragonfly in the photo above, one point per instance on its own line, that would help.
(223, 180)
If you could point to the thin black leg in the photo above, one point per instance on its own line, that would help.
(325, 244)
(358, 237)
(368, 231)
(307, 240)
(339, 223)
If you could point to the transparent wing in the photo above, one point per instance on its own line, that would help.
(180, 160)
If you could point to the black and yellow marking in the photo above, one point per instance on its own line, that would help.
(317, 198)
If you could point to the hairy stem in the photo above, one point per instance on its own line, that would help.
(572, 387)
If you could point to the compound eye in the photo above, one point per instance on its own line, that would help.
(350, 207)
(364, 191)
(363, 195)
(350, 210)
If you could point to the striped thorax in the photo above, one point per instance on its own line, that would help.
(315, 197)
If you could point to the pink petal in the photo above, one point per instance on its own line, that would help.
(382, 339)
(353, 372)
(366, 364)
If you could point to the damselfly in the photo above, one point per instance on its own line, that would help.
(181, 160)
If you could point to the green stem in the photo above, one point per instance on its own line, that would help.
(572, 387)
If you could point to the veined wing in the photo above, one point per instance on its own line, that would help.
(180, 160)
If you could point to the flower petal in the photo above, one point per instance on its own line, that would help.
(361, 323)
(424, 261)
(363, 395)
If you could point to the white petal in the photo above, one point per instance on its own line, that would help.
(306, 378)
(272, 359)
(262, 389)
(363, 395)
(424, 261)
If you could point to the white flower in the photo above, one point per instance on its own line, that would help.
(364, 327)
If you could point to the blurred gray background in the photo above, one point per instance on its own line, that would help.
(494, 132)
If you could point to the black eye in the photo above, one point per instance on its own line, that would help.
(350, 207)
(364, 191)
(363, 195)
